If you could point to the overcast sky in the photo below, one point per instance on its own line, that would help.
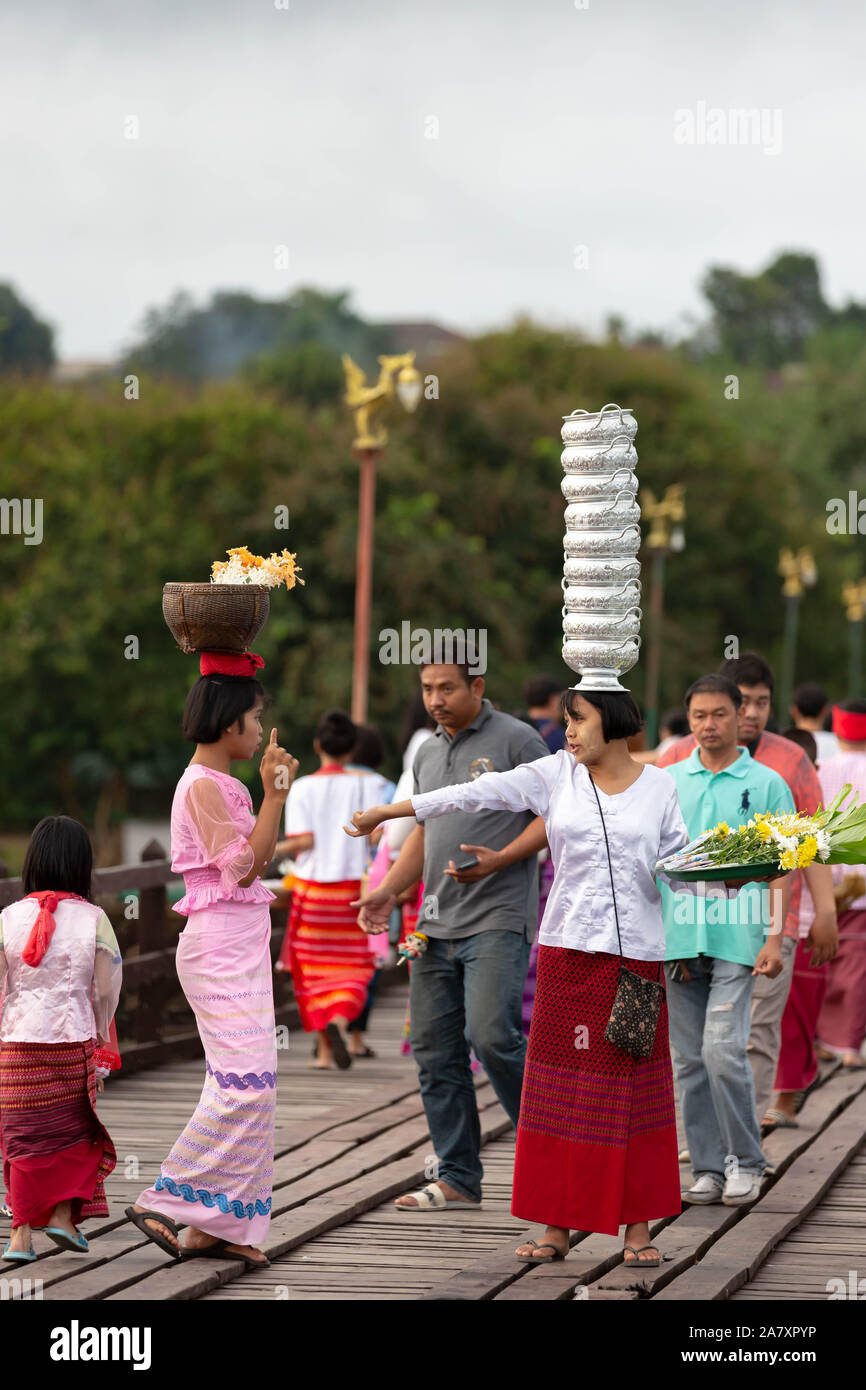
(308, 127)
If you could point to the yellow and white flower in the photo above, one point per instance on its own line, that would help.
(242, 567)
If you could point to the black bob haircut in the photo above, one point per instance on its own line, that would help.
(714, 685)
(620, 716)
(217, 702)
(337, 734)
(59, 856)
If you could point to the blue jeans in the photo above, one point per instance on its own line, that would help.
(709, 1019)
(472, 987)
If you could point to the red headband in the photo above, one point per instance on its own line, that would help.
(851, 727)
(230, 663)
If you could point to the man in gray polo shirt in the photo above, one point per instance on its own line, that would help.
(480, 923)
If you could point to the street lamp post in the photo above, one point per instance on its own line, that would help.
(799, 573)
(666, 536)
(368, 447)
(854, 598)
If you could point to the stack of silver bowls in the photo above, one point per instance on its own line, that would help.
(601, 584)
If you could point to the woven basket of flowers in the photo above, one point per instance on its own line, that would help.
(228, 613)
(215, 617)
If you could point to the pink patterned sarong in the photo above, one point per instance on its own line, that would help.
(218, 1175)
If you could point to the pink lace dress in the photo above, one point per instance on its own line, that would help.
(219, 1173)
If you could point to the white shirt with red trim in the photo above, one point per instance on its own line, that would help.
(322, 804)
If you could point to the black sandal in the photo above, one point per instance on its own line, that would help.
(545, 1259)
(138, 1218)
(637, 1263)
(339, 1050)
(218, 1251)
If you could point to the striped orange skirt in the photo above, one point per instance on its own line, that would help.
(327, 952)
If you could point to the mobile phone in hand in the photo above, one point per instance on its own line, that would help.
(467, 864)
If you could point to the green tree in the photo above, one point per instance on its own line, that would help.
(26, 343)
(236, 328)
(309, 372)
(768, 318)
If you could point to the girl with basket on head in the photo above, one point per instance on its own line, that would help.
(218, 1175)
(596, 1138)
(61, 965)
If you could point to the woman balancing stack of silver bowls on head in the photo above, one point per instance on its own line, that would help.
(600, 617)
(596, 1137)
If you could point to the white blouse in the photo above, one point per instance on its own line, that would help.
(643, 823)
(72, 994)
(321, 805)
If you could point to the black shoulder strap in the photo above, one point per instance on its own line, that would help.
(610, 869)
(609, 864)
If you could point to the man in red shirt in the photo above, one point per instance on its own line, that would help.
(755, 680)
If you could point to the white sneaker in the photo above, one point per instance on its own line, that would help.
(684, 1156)
(705, 1190)
(741, 1189)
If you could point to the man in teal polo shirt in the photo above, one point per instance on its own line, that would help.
(717, 940)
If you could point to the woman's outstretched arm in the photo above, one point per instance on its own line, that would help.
(523, 788)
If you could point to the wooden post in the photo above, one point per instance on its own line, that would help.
(364, 582)
(152, 906)
(152, 936)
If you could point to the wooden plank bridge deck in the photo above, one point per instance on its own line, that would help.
(348, 1142)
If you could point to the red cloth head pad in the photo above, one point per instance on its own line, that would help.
(230, 663)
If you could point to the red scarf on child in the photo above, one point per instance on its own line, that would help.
(43, 928)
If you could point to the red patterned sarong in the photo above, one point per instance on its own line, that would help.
(798, 1061)
(55, 1147)
(328, 953)
(596, 1139)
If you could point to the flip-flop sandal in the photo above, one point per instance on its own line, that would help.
(218, 1251)
(19, 1257)
(368, 1052)
(138, 1219)
(544, 1259)
(777, 1119)
(638, 1263)
(338, 1047)
(77, 1243)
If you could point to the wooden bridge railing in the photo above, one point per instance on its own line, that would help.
(155, 1024)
